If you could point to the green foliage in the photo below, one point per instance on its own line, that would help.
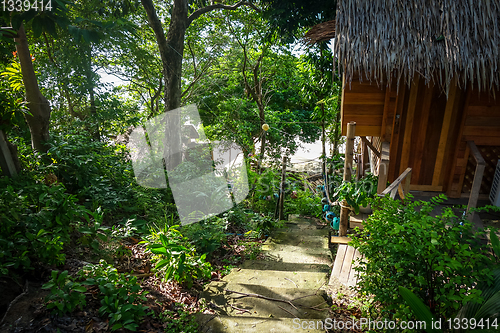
(94, 230)
(129, 227)
(13, 74)
(207, 235)
(306, 203)
(357, 193)
(120, 295)
(419, 309)
(439, 258)
(96, 171)
(288, 23)
(182, 322)
(36, 222)
(65, 294)
(12, 104)
(175, 257)
(477, 316)
(263, 224)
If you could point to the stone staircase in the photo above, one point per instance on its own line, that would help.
(287, 288)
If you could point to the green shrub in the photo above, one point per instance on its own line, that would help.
(65, 294)
(440, 258)
(97, 171)
(306, 203)
(94, 230)
(36, 222)
(357, 193)
(182, 322)
(176, 257)
(207, 235)
(120, 295)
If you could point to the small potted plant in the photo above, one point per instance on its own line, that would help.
(357, 193)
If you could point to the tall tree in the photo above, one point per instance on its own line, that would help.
(38, 118)
(171, 48)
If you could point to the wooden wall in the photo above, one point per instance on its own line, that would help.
(426, 128)
(480, 123)
(363, 103)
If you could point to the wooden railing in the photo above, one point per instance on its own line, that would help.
(478, 177)
(398, 186)
(383, 162)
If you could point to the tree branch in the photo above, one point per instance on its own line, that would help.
(207, 9)
(192, 56)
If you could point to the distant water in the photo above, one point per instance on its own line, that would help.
(307, 158)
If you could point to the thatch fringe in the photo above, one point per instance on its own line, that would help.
(439, 39)
(320, 33)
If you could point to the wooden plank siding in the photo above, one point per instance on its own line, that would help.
(427, 129)
(481, 124)
(363, 103)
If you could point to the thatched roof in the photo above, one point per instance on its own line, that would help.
(440, 39)
(320, 33)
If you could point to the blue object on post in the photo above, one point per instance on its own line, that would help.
(326, 208)
(335, 223)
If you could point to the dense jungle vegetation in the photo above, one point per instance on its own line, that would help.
(74, 218)
(99, 252)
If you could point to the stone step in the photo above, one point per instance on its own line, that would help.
(273, 278)
(298, 256)
(285, 266)
(225, 324)
(306, 303)
(303, 239)
(296, 268)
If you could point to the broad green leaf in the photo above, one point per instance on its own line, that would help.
(37, 26)
(421, 311)
(495, 243)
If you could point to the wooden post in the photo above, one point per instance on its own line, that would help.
(383, 167)
(478, 177)
(349, 153)
(282, 189)
(6, 161)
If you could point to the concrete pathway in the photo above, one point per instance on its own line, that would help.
(290, 284)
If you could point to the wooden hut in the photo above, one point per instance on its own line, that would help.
(421, 79)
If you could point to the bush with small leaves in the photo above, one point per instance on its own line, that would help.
(439, 258)
(120, 295)
(65, 294)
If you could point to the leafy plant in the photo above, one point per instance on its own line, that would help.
(36, 222)
(306, 203)
(65, 294)
(95, 170)
(263, 224)
(356, 193)
(129, 227)
(120, 295)
(182, 322)
(207, 235)
(476, 315)
(176, 258)
(439, 258)
(14, 76)
(94, 230)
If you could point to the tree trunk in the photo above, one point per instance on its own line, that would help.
(90, 89)
(171, 50)
(9, 161)
(38, 105)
